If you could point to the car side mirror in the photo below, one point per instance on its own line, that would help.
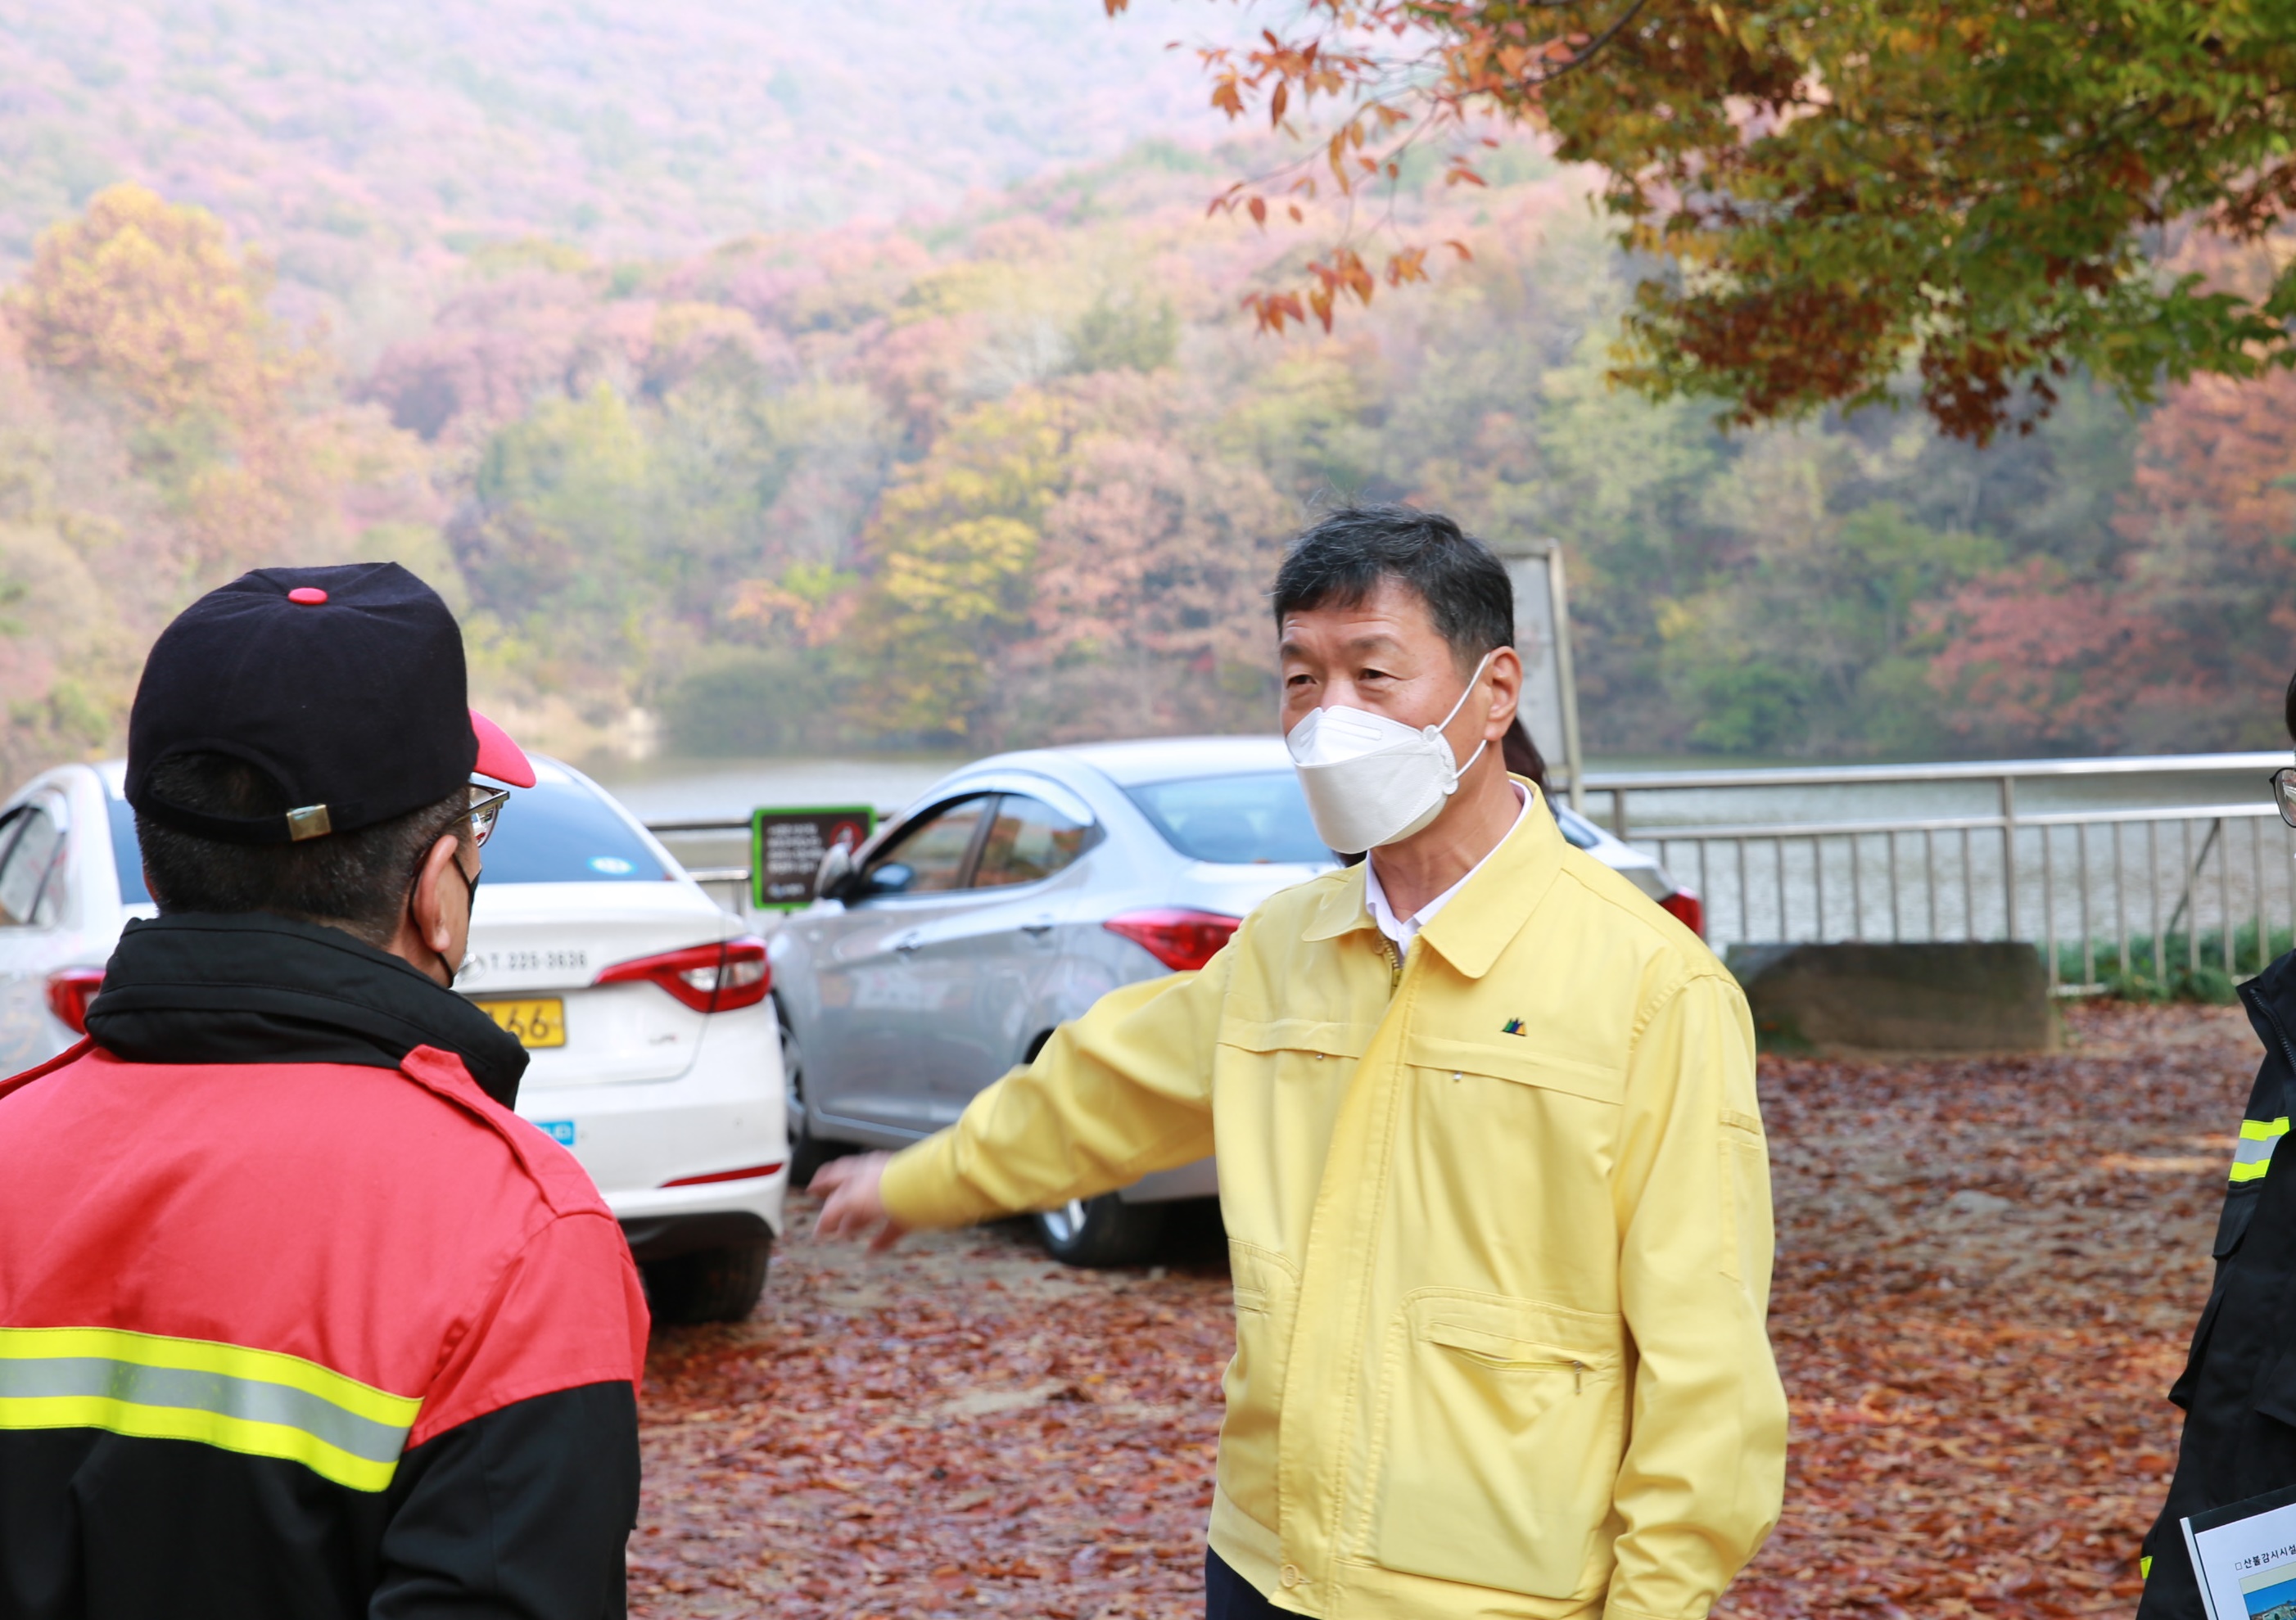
(834, 872)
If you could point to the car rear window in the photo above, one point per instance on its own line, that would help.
(1234, 820)
(561, 832)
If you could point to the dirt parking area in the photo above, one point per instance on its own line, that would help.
(1987, 1272)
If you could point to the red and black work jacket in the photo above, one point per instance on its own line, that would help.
(2239, 1384)
(297, 1318)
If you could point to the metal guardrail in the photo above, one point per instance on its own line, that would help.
(2157, 886)
(2093, 879)
(737, 876)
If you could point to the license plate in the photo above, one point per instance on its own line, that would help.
(537, 1021)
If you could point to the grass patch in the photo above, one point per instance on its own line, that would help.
(2174, 968)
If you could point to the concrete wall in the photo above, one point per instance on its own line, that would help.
(1898, 998)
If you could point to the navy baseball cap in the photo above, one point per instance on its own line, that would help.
(345, 685)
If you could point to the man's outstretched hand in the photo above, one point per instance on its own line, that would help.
(854, 1205)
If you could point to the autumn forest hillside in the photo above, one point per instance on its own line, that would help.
(988, 453)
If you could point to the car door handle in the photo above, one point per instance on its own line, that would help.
(907, 943)
(1037, 930)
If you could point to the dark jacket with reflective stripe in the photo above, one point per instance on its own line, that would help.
(2239, 1385)
(297, 1318)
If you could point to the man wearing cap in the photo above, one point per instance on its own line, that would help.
(297, 1317)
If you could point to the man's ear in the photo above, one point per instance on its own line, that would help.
(429, 902)
(1505, 674)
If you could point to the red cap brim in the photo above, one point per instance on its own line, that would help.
(498, 757)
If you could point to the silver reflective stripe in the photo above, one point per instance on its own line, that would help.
(2251, 1156)
(249, 1399)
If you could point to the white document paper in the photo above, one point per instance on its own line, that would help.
(2247, 1567)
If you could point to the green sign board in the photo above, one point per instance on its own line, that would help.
(786, 848)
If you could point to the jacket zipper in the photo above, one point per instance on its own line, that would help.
(2257, 1004)
(1578, 1368)
(1394, 963)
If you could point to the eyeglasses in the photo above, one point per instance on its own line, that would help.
(2284, 792)
(487, 807)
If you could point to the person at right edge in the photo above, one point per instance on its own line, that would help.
(2238, 1388)
(1490, 1158)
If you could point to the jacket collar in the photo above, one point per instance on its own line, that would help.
(198, 988)
(1484, 917)
(2270, 998)
(1343, 910)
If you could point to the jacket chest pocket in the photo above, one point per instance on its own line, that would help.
(1299, 1050)
(1502, 1423)
(1515, 1065)
(1475, 1117)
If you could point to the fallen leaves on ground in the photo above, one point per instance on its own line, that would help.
(1987, 1274)
(960, 1427)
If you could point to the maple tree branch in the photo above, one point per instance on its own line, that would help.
(1592, 48)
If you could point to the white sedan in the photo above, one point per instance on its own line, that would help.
(655, 1057)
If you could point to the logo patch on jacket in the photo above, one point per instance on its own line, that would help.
(1512, 1026)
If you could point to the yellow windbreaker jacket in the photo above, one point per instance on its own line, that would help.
(1499, 1220)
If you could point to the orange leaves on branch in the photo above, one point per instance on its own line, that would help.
(1398, 80)
(1273, 311)
(1975, 182)
(1343, 275)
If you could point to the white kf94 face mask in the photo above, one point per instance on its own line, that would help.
(1371, 781)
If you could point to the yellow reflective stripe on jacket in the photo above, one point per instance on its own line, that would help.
(2252, 1158)
(259, 1403)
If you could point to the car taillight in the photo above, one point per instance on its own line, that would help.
(69, 991)
(1688, 910)
(707, 978)
(1182, 940)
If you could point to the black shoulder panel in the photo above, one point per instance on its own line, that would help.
(526, 1512)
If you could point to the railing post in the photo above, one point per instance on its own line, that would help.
(2088, 932)
(2120, 903)
(2224, 893)
(2009, 852)
(2049, 900)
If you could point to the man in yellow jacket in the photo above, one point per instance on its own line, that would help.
(1490, 1159)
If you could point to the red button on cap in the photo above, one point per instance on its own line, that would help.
(310, 597)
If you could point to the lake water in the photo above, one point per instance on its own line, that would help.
(702, 789)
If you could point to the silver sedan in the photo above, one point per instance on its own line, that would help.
(1010, 898)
